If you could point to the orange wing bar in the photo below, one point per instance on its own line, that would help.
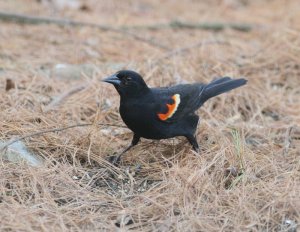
(171, 108)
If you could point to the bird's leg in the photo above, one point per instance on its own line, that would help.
(135, 140)
(193, 141)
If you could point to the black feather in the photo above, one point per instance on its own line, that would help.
(220, 86)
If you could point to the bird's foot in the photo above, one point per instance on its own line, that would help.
(196, 151)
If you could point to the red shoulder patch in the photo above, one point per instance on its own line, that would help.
(171, 108)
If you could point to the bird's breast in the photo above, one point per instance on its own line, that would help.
(134, 115)
(141, 118)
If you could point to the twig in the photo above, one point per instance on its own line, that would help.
(53, 130)
(288, 140)
(26, 19)
(63, 96)
(214, 26)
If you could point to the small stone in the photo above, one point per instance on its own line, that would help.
(289, 226)
(233, 171)
(123, 220)
(17, 152)
(72, 72)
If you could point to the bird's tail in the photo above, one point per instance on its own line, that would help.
(220, 86)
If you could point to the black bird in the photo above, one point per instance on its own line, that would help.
(162, 113)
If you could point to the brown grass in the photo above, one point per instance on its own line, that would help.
(248, 175)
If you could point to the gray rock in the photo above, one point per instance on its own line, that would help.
(17, 152)
(72, 72)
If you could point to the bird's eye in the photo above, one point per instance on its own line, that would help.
(126, 80)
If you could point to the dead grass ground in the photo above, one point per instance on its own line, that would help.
(248, 175)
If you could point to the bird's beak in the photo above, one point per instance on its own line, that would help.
(113, 79)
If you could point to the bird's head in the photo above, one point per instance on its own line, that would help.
(128, 83)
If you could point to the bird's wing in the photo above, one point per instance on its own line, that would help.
(178, 101)
(181, 100)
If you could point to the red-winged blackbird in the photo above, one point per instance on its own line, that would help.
(161, 113)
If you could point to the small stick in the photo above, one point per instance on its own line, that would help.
(53, 130)
(27, 19)
(288, 140)
(214, 26)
